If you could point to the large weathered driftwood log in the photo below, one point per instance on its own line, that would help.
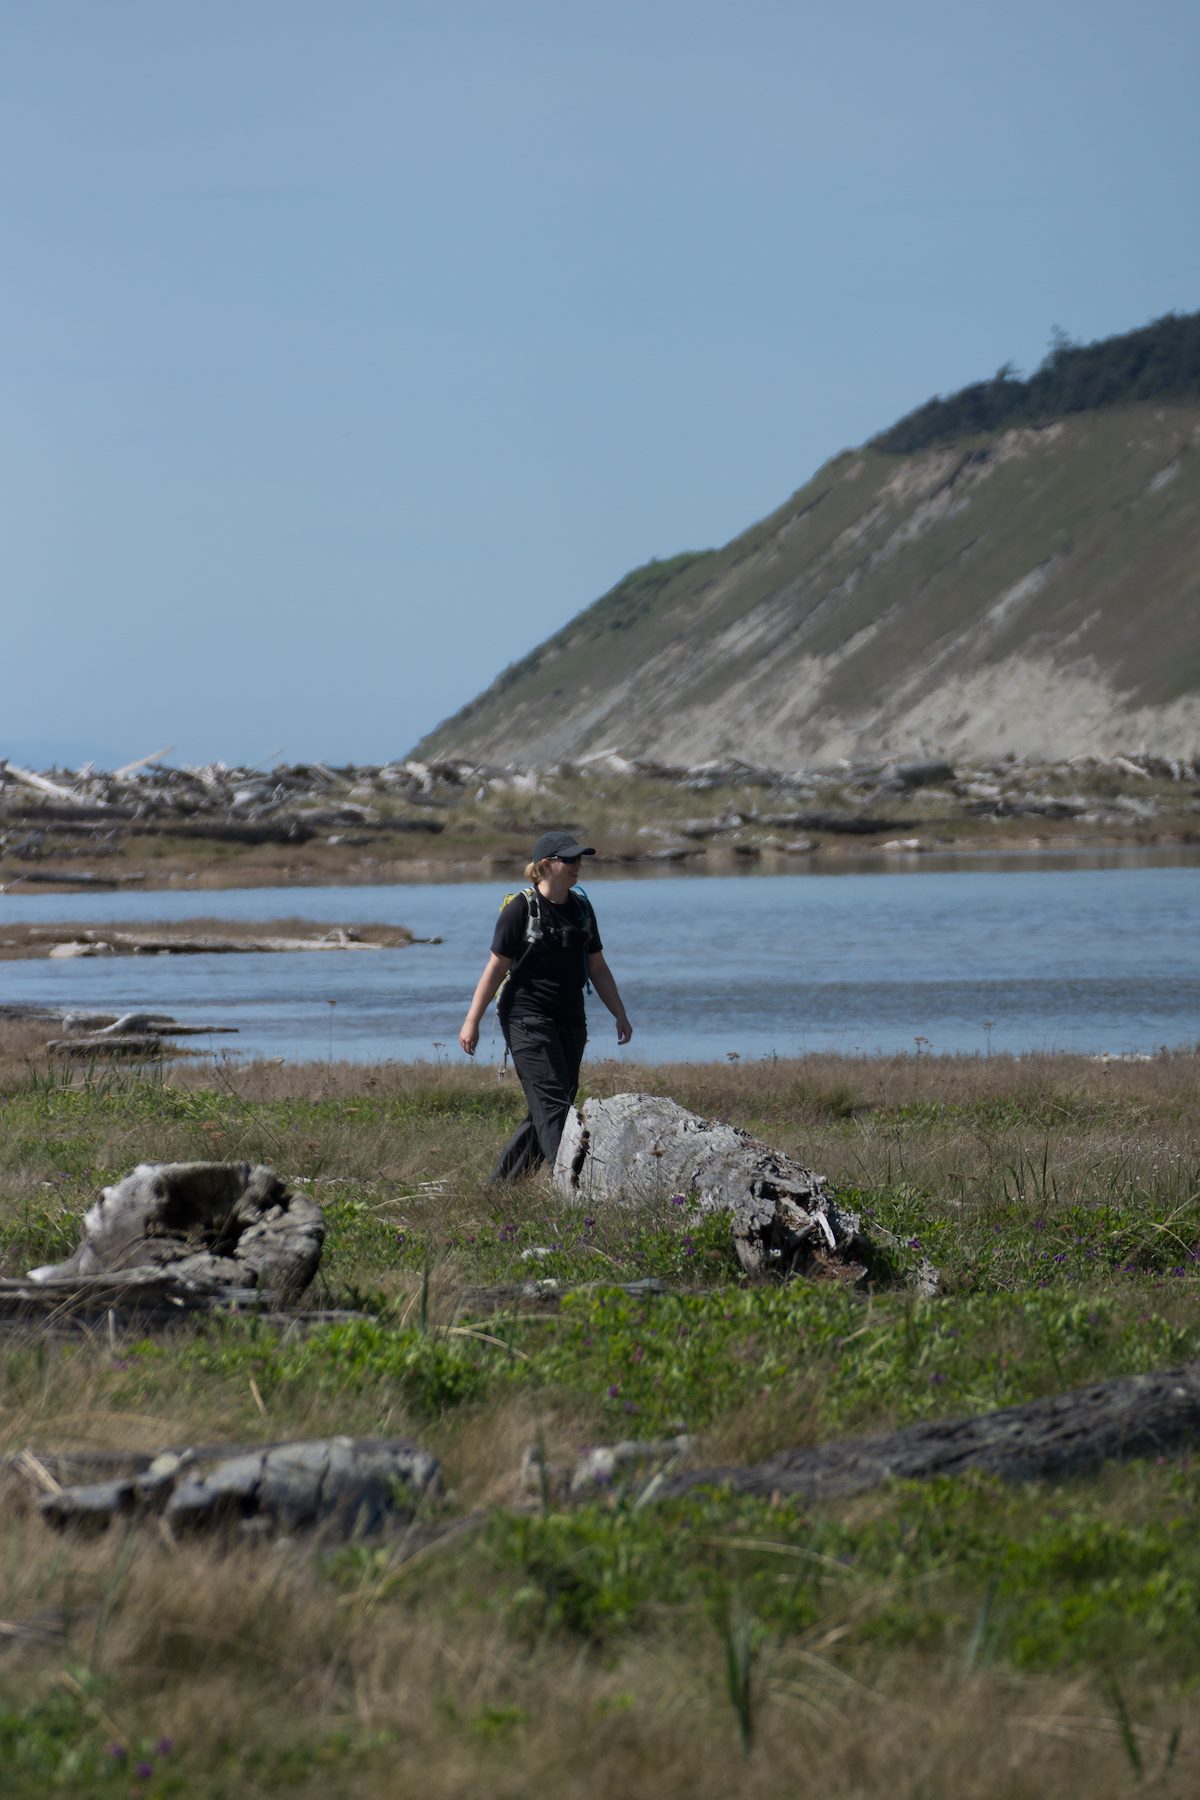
(214, 1225)
(341, 1485)
(1068, 1434)
(638, 1147)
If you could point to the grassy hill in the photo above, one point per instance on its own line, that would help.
(1032, 588)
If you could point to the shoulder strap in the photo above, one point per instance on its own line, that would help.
(533, 925)
(589, 920)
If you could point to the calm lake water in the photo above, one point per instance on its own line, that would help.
(1007, 956)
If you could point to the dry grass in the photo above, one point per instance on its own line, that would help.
(406, 1669)
(260, 1649)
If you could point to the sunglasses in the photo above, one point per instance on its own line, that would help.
(570, 861)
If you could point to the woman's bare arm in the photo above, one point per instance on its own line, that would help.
(602, 979)
(494, 971)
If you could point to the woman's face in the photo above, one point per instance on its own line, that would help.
(569, 870)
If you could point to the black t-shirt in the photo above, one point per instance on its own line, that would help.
(548, 976)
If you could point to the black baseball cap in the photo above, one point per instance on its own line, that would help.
(559, 843)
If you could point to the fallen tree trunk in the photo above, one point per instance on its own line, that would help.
(160, 1025)
(1068, 1434)
(344, 1486)
(132, 1035)
(635, 1148)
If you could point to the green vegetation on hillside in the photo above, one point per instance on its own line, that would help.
(634, 599)
(1160, 361)
(867, 613)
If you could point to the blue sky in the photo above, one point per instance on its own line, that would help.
(351, 349)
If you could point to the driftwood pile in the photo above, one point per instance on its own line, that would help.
(91, 814)
(635, 1148)
(288, 805)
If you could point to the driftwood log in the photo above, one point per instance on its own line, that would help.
(220, 1227)
(68, 946)
(635, 1148)
(137, 1035)
(1068, 1434)
(343, 1486)
(65, 1303)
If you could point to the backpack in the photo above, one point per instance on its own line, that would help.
(533, 926)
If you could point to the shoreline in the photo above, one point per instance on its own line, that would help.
(154, 828)
(171, 875)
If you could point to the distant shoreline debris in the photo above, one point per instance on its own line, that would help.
(198, 937)
(312, 821)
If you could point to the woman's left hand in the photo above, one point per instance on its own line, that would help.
(624, 1030)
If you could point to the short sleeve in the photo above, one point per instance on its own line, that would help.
(594, 946)
(508, 939)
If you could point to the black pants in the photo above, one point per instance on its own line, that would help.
(546, 1056)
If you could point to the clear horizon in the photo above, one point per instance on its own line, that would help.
(354, 354)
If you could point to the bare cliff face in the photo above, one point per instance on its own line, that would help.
(1038, 592)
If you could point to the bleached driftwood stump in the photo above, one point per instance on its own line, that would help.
(635, 1148)
(214, 1226)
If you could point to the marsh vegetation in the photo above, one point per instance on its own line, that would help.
(955, 1637)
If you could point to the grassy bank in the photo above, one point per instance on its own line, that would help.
(948, 1638)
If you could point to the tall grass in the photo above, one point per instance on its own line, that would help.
(958, 1638)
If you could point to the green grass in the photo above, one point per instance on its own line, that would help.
(1007, 1639)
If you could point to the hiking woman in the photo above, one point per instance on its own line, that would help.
(547, 942)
